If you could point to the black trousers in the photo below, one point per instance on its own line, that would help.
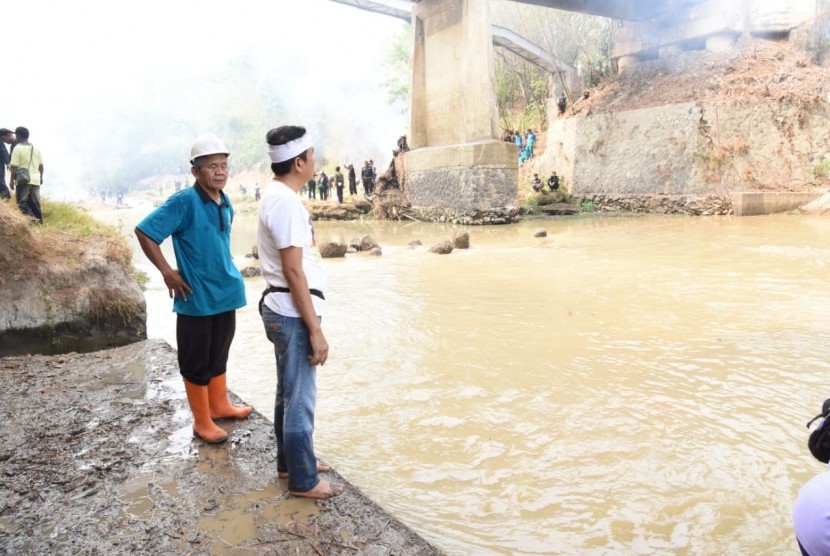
(28, 199)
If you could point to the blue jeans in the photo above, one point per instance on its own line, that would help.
(296, 399)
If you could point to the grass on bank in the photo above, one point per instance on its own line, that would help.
(63, 218)
(68, 230)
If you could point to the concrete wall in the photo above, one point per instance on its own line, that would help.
(688, 148)
(755, 203)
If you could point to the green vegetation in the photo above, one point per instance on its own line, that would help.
(715, 159)
(822, 169)
(587, 207)
(65, 225)
(522, 89)
(397, 70)
(531, 204)
(108, 305)
(48, 303)
(70, 219)
(141, 277)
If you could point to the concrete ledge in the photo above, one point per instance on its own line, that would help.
(482, 154)
(757, 203)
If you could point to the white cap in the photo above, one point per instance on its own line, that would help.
(207, 144)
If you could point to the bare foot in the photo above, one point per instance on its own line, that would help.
(323, 490)
(211, 435)
(321, 468)
(232, 412)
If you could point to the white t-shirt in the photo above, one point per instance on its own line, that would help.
(284, 222)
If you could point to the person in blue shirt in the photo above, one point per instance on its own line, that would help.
(530, 142)
(517, 139)
(207, 288)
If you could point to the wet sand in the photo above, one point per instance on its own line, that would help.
(99, 458)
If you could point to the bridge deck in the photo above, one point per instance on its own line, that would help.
(632, 10)
(502, 37)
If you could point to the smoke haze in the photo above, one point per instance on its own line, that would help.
(112, 88)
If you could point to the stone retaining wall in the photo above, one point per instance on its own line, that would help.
(473, 183)
(494, 216)
(693, 205)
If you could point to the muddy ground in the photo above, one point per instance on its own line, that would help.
(98, 458)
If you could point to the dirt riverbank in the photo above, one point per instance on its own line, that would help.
(99, 458)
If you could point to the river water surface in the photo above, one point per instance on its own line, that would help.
(623, 386)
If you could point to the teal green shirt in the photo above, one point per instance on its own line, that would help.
(201, 231)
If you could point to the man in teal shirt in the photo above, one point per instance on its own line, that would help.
(207, 288)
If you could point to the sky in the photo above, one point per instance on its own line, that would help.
(90, 60)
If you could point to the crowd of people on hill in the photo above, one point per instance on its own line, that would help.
(25, 165)
(526, 142)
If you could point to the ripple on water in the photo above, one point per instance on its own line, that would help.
(631, 386)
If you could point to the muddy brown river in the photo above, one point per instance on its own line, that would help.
(622, 386)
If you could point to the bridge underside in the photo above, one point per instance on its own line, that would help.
(632, 10)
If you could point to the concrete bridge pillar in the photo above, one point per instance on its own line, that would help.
(457, 168)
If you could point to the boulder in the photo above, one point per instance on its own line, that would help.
(461, 240)
(375, 252)
(367, 243)
(332, 249)
(251, 271)
(551, 198)
(442, 248)
(541, 232)
(414, 244)
(559, 209)
(62, 292)
(362, 205)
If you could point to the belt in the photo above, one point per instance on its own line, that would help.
(276, 289)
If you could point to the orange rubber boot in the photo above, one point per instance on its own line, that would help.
(220, 405)
(203, 426)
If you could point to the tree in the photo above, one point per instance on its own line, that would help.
(582, 41)
(397, 66)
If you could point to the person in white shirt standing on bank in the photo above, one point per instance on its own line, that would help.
(291, 307)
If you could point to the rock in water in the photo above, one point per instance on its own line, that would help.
(442, 248)
(461, 240)
(332, 249)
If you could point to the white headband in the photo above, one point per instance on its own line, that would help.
(281, 153)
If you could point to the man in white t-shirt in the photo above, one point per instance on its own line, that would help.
(291, 307)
